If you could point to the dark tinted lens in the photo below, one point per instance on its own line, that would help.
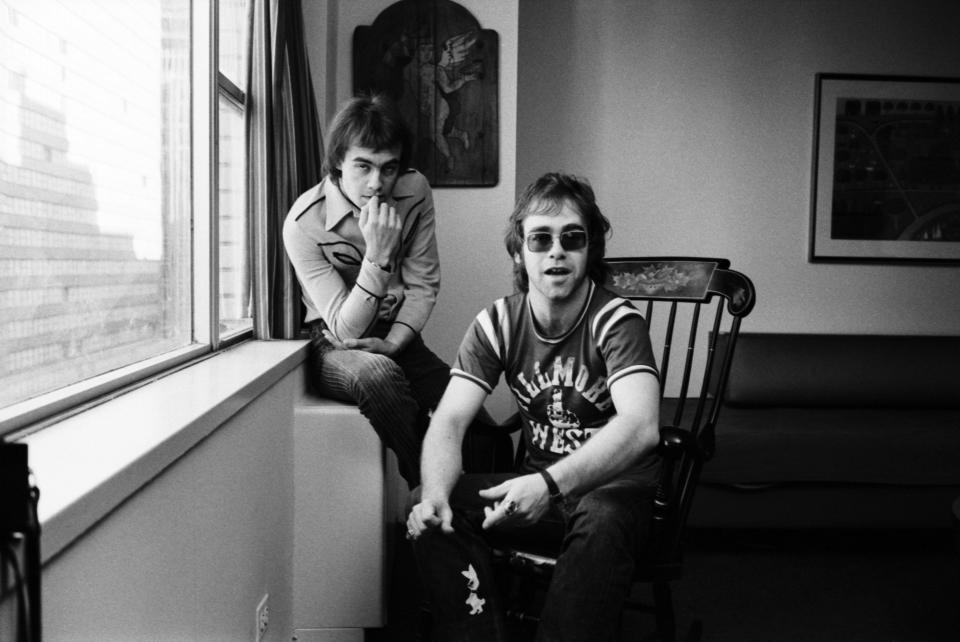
(539, 241)
(573, 240)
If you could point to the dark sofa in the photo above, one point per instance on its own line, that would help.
(846, 431)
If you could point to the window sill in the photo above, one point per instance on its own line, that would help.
(86, 465)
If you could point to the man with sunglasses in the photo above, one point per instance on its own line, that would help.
(578, 361)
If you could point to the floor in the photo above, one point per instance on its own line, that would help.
(786, 587)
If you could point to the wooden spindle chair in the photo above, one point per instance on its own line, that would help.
(676, 295)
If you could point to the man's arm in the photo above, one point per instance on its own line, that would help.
(419, 270)
(349, 313)
(633, 432)
(440, 463)
(420, 273)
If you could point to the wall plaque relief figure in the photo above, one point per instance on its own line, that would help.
(432, 57)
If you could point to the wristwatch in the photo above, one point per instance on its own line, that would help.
(383, 268)
(555, 495)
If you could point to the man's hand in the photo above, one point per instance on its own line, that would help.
(429, 514)
(381, 229)
(521, 500)
(368, 344)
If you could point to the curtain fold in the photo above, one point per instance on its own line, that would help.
(284, 159)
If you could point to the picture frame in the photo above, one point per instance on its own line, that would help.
(886, 169)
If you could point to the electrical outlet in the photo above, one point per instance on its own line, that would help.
(263, 618)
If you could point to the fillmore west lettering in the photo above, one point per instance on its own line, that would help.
(563, 433)
(528, 387)
(559, 440)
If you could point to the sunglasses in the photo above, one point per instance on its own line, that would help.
(569, 240)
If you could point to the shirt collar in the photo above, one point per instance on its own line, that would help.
(339, 206)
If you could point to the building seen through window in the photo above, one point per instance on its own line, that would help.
(97, 257)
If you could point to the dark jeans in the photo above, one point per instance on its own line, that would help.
(597, 536)
(394, 394)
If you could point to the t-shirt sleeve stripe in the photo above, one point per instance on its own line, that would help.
(618, 314)
(602, 314)
(457, 372)
(631, 370)
(486, 324)
(504, 321)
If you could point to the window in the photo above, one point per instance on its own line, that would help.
(107, 245)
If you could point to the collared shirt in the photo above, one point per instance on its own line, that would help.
(323, 241)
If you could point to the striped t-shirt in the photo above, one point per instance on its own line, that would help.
(561, 384)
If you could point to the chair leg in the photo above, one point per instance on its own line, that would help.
(663, 602)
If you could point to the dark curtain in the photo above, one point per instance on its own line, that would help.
(286, 149)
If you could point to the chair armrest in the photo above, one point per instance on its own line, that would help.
(682, 457)
(674, 442)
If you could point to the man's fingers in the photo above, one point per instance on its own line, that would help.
(494, 515)
(417, 521)
(490, 517)
(424, 517)
(364, 216)
(390, 215)
(384, 214)
(414, 523)
(446, 520)
(495, 492)
(336, 343)
(357, 344)
(442, 520)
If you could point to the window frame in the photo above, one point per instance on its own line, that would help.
(237, 98)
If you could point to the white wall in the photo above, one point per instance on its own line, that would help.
(694, 119)
(475, 267)
(191, 554)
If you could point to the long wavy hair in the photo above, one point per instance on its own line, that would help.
(547, 195)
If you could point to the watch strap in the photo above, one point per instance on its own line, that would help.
(552, 488)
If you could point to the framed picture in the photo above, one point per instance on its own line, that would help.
(886, 169)
(442, 68)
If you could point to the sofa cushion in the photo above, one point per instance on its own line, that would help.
(836, 445)
(836, 370)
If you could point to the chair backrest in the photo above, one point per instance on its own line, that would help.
(693, 307)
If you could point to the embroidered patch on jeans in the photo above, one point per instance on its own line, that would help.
(474, 601)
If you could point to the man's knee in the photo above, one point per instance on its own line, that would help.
(599, 511)
(365, 372)
(379, 369)
(604, 515)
